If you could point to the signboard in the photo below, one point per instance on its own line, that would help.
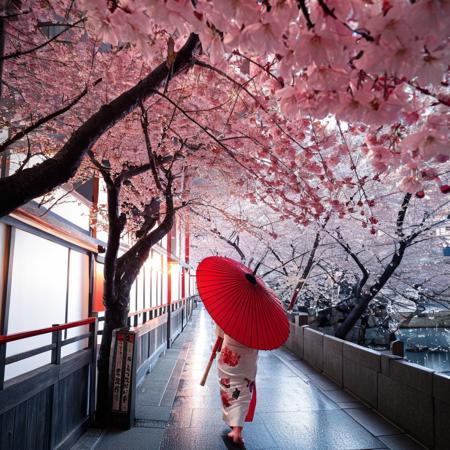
(117, 375)
(122, 378)
(127, 374)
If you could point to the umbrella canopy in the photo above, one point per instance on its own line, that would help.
(241, 304)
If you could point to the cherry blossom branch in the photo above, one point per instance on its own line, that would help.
(442, 100)
(38, 47)
(352, 255)
(241, 86)
(265, 69)
(148, 145)
(57, 201)
(101, 168)
(306, 272)
(277, 257)
(205, 130)
(303, 8)
(215, 231)
(44, 120)
(131, 172)
(401, 215)
(18, 188)
(13, 15)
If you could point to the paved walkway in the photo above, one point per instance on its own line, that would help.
(297, 407)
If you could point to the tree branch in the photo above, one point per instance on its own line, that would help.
(19, 188)
(302, 6)
(33, 49)
(44, 120)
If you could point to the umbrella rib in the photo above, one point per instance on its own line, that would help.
(251, 300)
(224, 294)
(267, 321)
(255, 319)
(222, 311)
(245, 304)
(271, 326)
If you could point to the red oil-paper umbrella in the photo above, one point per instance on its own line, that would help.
(241, 304)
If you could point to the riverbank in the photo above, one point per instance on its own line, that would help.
(439, 319)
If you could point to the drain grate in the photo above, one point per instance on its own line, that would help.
(142, 423)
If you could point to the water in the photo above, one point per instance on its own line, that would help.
(428, 339)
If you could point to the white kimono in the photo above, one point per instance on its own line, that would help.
(237, 371)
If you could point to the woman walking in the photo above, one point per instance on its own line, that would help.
(237, 372)
(252, 319)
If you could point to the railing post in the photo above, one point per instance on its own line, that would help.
(56, 340)
(2, 364)
(169, 326)
(302, 319)
(93, 329)
(55, 359)
(398, 348)
(182, 317)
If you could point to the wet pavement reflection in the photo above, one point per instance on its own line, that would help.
(297, 408)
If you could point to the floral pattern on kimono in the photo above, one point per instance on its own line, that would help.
(237, 372)
(228, 357)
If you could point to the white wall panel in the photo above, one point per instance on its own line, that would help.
(133, 297)
(38, 295)
(153, 295)
(148, 284)
(78, 299)
(3, 243)
(175, 280)
(140, 292)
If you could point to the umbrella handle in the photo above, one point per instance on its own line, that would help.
(216, 348)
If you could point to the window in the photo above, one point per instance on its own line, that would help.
(50, 30)
(86, 189)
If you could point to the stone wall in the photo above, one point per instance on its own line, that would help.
(412, 396)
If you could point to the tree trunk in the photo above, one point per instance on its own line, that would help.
(353, 316)
(368, 296)
(307, 269)
(365, 299)
(116, 312)
(116, 315)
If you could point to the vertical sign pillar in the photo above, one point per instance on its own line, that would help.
(186, 253)
(169, 289)
(123, 378)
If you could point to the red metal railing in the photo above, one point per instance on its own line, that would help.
(26, 334)
(55, 347)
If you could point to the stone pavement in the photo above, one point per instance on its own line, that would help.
(297, 407)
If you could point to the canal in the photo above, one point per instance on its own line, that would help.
(429, 347)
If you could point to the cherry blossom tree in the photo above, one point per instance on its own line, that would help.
(135, 193)
(370, 65)
(364, 243)
(305, 110)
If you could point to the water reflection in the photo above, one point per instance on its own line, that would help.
(428, 347)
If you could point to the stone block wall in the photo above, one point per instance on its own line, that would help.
(361, 367)
(313, 348)
(333, 359)
(412, 396)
